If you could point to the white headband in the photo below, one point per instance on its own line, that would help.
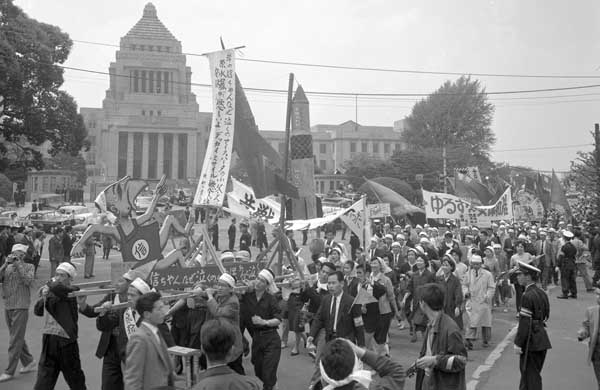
(141, 286)
(268, 276)
(228, 279)
(68, 268)
(19, 247)
(358, 374)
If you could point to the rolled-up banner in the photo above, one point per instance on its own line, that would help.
(215, 170)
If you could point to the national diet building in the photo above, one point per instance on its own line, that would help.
(149, 123)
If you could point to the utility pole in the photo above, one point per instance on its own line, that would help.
(286, 157)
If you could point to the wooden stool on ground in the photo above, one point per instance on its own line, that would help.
(191, 361)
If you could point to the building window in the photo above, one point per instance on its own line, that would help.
(136, 75)
(158, 82)
(159, 48)
(375, 147)
(168, 49)
(152, 155)
(166, 89)
(323, 165)
(142, 47)
(150, 48)
(331, 185)
(398, 147)
(167, 154)
(151, 81)
(322, 187)
(352, 147)
(322, 148)
(363, 147)
(158, 112)
(143, 112)
(281, 148)
(386, 148)
(143, 81)
(138, 150)
(45, 184)
(182, 157)
(151, 113)
(133, 47)
(35, 184)
(122, 155)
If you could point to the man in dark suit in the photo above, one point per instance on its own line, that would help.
(337, 315)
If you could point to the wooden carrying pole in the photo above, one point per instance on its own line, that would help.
(286, 157)
(190, 294)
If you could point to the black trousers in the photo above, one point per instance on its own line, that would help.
(266, 352)
(231, 243)
(567, 280)
(112, 375)
(56, 357)
(531, 369)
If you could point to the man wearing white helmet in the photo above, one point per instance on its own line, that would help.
(60, 349)
(16, 277)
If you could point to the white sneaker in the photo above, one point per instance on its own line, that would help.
(29, 368)
(5, 377)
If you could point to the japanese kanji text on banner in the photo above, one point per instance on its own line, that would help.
(446, 206)
(215, 170)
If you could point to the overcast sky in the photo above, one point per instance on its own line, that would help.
(544, 37)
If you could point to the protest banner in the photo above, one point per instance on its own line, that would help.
(446, 206)
(217, 160)
(355, 217)
(174, 278)
(243, 202)
(379, 210)
(527, 207)
(308, 224)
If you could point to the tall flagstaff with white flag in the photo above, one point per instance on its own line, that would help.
(217, 160)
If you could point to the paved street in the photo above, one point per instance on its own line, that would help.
(565, 364)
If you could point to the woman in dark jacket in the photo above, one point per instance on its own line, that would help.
(453, 295)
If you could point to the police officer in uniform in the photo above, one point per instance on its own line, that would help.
(567, 267)
(531, 341)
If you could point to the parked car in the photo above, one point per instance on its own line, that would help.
(79, 215)
(47, 219)
(10, 218)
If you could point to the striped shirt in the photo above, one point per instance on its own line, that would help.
(17, 281)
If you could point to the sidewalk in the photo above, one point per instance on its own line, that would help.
(565, 366)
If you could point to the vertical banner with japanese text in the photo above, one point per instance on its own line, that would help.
(215, 170)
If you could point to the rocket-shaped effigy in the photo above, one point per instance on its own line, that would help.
(302, 159)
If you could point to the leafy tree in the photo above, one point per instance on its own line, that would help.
(35, 110)
(364, 166)
(458, 113)
(66, 161)
(585, 175)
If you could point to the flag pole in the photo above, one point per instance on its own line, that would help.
(286, 157)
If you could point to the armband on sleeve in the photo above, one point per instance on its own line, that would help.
(358, 321)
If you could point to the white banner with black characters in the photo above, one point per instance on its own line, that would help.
(446, 206)
(355, 213)
(215, 170)
(355, 217)
(242, 201)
